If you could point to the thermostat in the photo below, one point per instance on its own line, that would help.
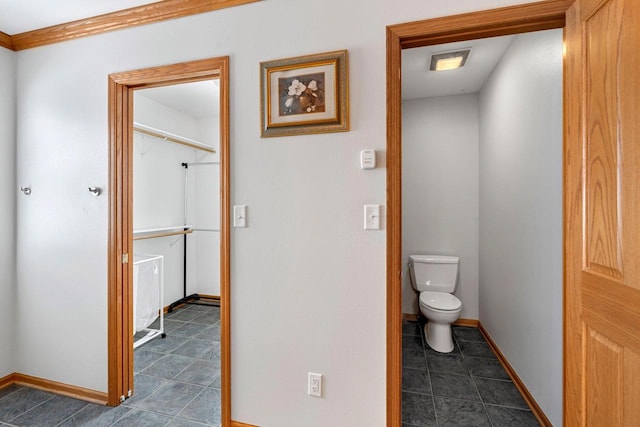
(368, 159)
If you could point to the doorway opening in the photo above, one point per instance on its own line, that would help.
(122, 88)
(498, 22)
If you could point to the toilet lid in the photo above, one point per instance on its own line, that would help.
(440, 301)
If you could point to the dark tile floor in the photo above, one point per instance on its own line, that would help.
(467, 387)
(177, 383)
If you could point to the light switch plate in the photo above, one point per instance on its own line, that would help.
(240, 216)
(372, 217)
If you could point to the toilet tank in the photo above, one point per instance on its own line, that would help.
(435, 273)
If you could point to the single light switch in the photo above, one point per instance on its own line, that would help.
(368, 159)
(372, 217)
(240, 216)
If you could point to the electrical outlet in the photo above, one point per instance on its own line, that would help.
(315, 385)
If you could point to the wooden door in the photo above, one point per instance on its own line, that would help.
(602, 214)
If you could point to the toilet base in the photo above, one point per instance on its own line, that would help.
(438, 336)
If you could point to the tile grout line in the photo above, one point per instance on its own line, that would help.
(141, 410)
(475, 385)
(423, 337)
(31, 409)
(72, 415)
(173, 380)
(10, 393)
(459, 341)
(194, 398)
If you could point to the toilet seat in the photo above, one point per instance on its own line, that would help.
(440, 301)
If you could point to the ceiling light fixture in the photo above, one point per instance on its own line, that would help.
(449, 60)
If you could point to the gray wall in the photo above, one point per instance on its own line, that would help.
(8, 192)
(440, 190)
(521, 213)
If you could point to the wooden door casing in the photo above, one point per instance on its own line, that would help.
(487, 23)
(120, 292)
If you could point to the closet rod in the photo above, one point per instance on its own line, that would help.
(206, 229)
(165, 234)
(148, 130)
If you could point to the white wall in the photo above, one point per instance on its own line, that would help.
(207, 210)
(8, 192)
(304, 248)
(521, 213)
(440, 190)
(158, 201)
(159, 197)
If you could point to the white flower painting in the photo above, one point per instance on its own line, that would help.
(302, 94)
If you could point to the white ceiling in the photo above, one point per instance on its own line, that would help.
(18, 16)
(196, 99)
(419, 82)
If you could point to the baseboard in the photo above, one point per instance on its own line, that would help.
(6, 381)
(535, 408)
(239, 424)
(472, 323)
(214, 297)
(410, 317)
(59, 388)
(211, 297)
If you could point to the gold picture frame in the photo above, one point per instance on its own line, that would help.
(304, 95)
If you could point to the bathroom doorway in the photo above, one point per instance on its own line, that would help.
(600, 195)
(214, 271)
(503, 22)
(482, 181)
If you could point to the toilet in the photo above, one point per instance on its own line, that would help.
(435, 278)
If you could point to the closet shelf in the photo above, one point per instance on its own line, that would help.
(152, 233)
(167, 136)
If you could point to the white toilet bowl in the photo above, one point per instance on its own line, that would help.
(441, 310)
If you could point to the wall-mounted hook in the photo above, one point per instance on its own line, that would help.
(26, 190)
(95, 191)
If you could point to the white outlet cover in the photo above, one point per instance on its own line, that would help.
(314, 385)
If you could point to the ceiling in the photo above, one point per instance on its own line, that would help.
(19, 16)
(419, 82)
(196, 99)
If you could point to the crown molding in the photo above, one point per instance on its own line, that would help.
(140, 15)
(5, 41)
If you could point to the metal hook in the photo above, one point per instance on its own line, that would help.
(26, 190)
(95, 191)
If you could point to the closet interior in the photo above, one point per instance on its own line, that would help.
(176, 202)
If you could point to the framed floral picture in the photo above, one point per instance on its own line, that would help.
(305, 94)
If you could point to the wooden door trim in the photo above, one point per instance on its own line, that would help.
(490, 23)
(121, 87)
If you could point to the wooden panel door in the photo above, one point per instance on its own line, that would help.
(602, 214)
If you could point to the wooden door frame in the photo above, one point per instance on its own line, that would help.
(120, 273)
(543, 15)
